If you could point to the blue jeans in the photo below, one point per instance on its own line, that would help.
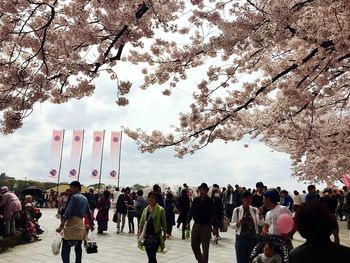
(65, 253)
(244, 247)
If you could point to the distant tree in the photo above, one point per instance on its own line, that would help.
(138, 187)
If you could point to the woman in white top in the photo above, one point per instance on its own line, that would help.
(246, 220)
(297, 200)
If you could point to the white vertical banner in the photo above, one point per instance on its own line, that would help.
(76, 151)
(97, 149)
(56, 150)
(115, 154)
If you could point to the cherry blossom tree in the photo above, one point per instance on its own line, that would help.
(293, 56)
(53, 50)
(299, 102)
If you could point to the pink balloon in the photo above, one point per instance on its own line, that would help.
(285, 223)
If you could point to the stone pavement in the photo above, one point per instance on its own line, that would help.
(114, 247)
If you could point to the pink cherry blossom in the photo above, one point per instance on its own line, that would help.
(277, 71)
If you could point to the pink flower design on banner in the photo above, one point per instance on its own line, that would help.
(97, 138)
(115, 139)
(73, 172)
(94, 173)
(77, 138)
(53, 172)
(57, 138)
(113, 173)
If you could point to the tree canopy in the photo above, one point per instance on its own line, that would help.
(293, 57)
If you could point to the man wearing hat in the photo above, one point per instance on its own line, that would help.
(202, 212)
(271, 199)
(12, 206)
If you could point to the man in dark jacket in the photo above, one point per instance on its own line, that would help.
(315, 224)
(203, 214)
(92, 198)
(184, 207)
(122, 209)
(238, 196)
(229, 202)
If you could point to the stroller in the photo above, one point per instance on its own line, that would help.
(280, 244)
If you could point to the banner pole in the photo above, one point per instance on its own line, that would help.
(81, 154)
(120, 153)
(99, 180)
(59, 167)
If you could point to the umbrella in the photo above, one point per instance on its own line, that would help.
(32, 190)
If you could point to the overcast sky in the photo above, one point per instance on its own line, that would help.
(26, 153)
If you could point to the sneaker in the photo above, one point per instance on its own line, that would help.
(122, 230)
(118, 231)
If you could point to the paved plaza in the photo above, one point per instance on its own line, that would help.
(114, 247)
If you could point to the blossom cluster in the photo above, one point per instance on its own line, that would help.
(275, 70)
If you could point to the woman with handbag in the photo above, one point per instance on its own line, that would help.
(103, 206)
(152, 229)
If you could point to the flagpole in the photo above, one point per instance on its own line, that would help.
(99, 180)
(81, 154)
(120, 153)
(59, 167)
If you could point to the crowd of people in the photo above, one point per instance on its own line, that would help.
(252, 213)
(203, 212)
(18, 217)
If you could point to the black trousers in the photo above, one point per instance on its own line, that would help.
(229, 211)
(151, 250)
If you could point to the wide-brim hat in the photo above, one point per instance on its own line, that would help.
(4, 189)
(203, 186)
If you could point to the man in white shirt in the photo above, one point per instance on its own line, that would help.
(271, 199)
